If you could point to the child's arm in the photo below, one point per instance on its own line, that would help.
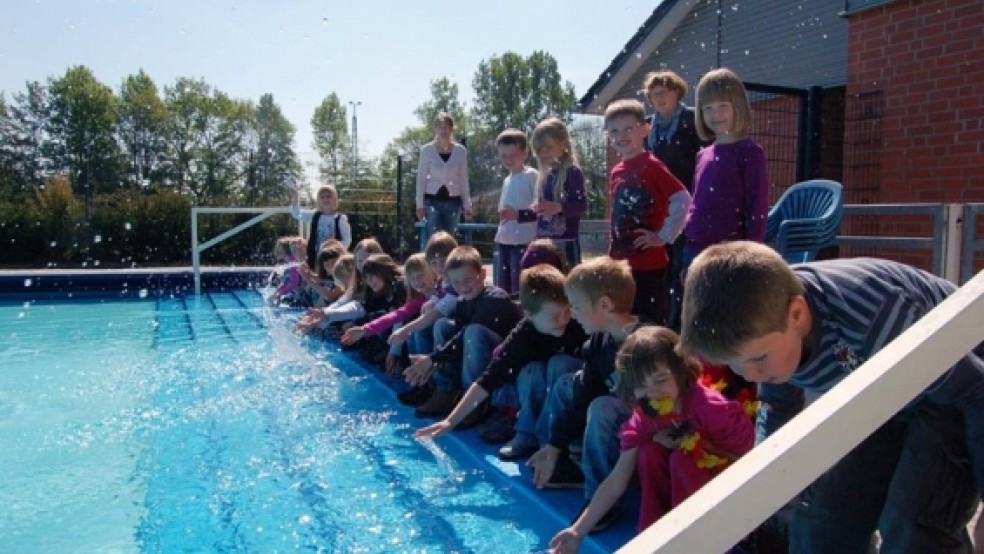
(575, 202)
(346, 311)
(297, 212)
(345, 231)
(608, 493)
(399, 315)
(676, 216)
(419, 372)
(419, 324)
(353, 335)
(475, 395)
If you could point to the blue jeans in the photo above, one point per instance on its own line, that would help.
(571, 250)
(421, 342)
(533, 385)
(442, 215)
(478, 343)
(910, 479)
(507, 272)
(601, 447)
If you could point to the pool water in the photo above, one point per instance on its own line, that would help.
(204, 425)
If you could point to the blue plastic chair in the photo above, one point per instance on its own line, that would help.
(806, 218)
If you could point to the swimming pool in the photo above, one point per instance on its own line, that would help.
(201, 424)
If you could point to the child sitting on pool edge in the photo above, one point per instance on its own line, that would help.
(544, 345)
(483, 315)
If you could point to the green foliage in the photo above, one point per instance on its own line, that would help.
(513, 91)
(276, 165)
(444, 98)
(81, 131)
(331, 138)
(22, 161)
(144, 128)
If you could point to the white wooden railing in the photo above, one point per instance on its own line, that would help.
(729, 507)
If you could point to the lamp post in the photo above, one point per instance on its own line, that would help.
(355, 138)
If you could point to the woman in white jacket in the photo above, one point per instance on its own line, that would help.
(442, 180)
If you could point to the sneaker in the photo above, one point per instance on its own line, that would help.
(497, 429)
(566, 475)
(415, 396)
(521, 446)
(439, 404)
(474, 417)
(606, 520)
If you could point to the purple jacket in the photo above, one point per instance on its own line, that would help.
(731, 195)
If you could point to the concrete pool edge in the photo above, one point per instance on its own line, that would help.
(47, 284)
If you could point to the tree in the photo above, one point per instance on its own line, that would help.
(512, 91)
(207, 139)
(81, 129)
(144, 124)
(275, 156)
(444, 98)
(331, 137)
(22, 138)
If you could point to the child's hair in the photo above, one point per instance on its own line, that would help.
(464, 256)
(357, 284)
(625, 107)
(343, 271)
(327, 189)
(440, 244)
(735, 292)
(416, 263)
(331, 249)
(722, 85)
(370, 245)
(444, 118)
(603, 276)
(642, 353)
(665, 78)
(544, 251)
(512, 136)
(554, 129)
(538, 284)
(384, 267)
(281, 248)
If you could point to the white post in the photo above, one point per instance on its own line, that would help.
(195, 257)
(729, 507)
(953, 242)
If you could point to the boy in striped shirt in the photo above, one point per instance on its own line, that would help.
(803, 329)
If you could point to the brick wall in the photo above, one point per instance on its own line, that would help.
(926, 57)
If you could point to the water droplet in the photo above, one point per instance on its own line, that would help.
(97, 239)
(28, 282)
(127, 226)
(53, 244)
(143, 293)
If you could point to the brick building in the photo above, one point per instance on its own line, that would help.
(885, 96)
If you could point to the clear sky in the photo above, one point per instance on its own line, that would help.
(382, 53)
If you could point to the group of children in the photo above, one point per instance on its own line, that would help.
(568, 364)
